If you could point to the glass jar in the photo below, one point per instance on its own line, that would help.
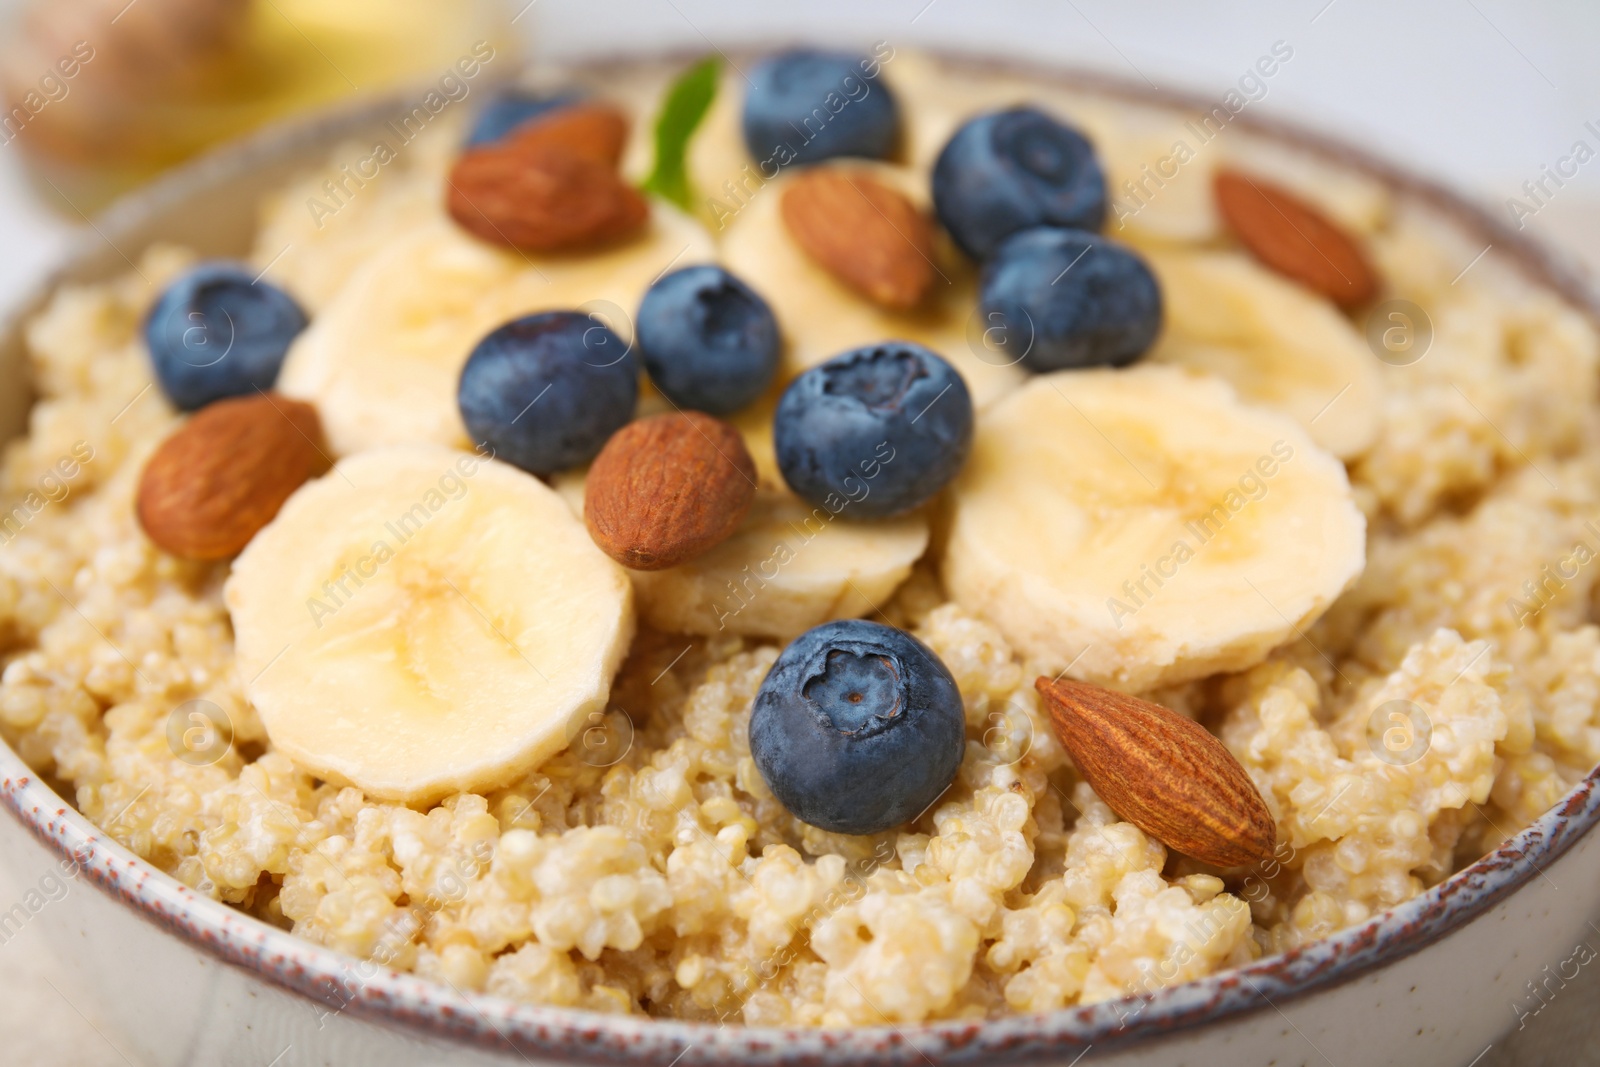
(99, 99)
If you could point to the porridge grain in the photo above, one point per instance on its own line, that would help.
(672, 883)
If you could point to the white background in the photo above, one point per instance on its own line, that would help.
(1477, 93)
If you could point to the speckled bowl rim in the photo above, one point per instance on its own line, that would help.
(343, 983)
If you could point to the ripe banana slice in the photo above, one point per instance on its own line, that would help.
(1277, 343)
(722, 174)
(382, 359)
(1158, 172)
(789, 567)
(423, 621)
(821, 317)
(1144, 527)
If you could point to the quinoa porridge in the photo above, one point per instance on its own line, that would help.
(642, 862)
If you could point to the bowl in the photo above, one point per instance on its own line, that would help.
(184, 979)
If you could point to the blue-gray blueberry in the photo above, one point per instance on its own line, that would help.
(708, 341)
(1010, 170)
(858, 727)
(875, 431)
(546, 391)
(1068, 299)
(805, 105)
(218, 332)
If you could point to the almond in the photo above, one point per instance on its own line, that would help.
(592, 130)
(1162, 772)
(667, 488)
(224, 474)
(541, 197)
(869, 236)
(1295, 239)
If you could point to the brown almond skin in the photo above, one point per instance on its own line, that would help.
(1295, 239)
(869, 236)
(1162, 772)
(223, 475)
(541, 198)
(667, 488)
(589, 129)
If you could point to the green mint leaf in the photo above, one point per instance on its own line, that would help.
(683, 109)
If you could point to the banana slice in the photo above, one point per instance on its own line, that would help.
(1277, 343)
(423, 621)
(382, 359)
(1144, 527)
(721, 173)
(311, 240)
(821, 317)
(788, 568)
(1158, 171)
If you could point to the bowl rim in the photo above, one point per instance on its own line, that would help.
(337, 982)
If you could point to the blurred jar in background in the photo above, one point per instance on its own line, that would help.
(101, 95)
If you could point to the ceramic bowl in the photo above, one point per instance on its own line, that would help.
(183, 979)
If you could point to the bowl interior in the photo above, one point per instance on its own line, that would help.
(210, 205)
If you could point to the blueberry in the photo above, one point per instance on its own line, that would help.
(708, 340)
(857, 727)
(804, 106)
(217, 332)
(1071, 299)
(1009, 170)
(510, 109)
(875, 431)
(546, 391)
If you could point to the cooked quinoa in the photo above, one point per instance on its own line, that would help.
(672, 883)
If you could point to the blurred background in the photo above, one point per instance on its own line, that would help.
(102, 95)
(1484, 94)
